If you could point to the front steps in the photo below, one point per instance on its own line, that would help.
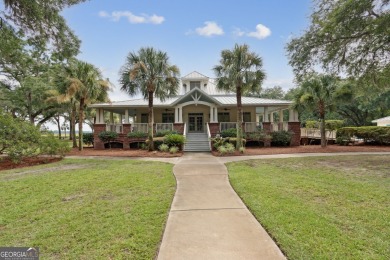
(197, 142)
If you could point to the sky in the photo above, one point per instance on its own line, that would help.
(192, 33)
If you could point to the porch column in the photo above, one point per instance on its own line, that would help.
(280, 116)
(213, 114)
(102, 116)
(272, 117)
(296, 116)
(178, 115)
(291, 115)
(126, 116)
(111, 117)
(97, 115)
(265, 116)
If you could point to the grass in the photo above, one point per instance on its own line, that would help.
(320, 208)
(87, 209)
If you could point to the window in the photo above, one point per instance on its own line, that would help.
(194, 84)
(223, 117)
(144, 118)
(168, 118)
(247, 117)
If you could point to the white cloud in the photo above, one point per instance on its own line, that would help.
(103, 14)
(261, 32)
(238, 32)
(210, 29)
(132, 18)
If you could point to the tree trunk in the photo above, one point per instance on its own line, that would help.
(151, 121)
(73, 125)
(81, 119)
(57, 119)
(322, 125)
(239, 119)
(29, 108)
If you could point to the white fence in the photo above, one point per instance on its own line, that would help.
(118, 128)
(164, 127)
(140, 127)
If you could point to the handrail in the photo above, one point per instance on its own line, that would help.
(118, 128)
(209, 135)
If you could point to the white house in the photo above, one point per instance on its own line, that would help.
(385, 121)
(200, 110)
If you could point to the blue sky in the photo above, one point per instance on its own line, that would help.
(193, 33)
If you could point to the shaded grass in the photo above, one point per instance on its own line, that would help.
(87, 209)
(320, 208)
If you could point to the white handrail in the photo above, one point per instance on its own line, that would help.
(209, 135)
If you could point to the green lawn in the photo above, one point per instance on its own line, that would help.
(87, 209)
(320, 208)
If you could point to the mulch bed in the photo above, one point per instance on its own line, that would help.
(7, 164)
(118, 152)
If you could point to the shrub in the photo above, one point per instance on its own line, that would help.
(163, 148)
(18, 139)
(218, 141)
(281, 138)
(156, 140)
(230, 148)
(329, 124)
(174, 140)
(372, 134)
(222, 149)
(173, 149)
(137, 134)
(261, 137)
(165, 132)
(242, 150)
(231, 132)
(88, 138)
(233, 141)
(50, 145)
(108, 137)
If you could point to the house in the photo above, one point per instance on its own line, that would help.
(199, 112)
(385, 121)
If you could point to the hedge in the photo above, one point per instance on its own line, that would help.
(370, 134)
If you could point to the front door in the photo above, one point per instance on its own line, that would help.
(195, 122)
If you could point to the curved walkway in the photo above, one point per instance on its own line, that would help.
(208, 220)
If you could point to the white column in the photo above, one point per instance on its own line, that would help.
(211, 114)
(291, 115)
(257, 118)
(272, 117)
(102, 116)
(265, 117)
(126, 116)
(296, 116)
(180, 114)
(97, 115)
(216, 115)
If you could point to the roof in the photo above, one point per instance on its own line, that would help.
(387, 118)
(222, 100)
(195, 75)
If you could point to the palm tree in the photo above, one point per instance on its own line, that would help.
(83, 84)
(239, 71)
(149, 73)
(318, 93)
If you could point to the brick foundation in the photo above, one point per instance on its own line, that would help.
(295, 127)
(214, 129)
(98, 128)
(179, 128)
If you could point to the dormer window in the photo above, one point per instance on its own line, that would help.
(194, 84)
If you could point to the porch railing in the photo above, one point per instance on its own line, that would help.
(164, 127)
(281, 126)
(251, 127)
(227, 125)
(208, 135)
(118, 128)
(139, 127)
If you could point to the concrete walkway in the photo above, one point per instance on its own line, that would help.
(208, 220)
